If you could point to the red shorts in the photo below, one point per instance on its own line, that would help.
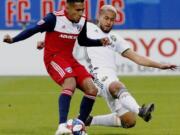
(60, 68)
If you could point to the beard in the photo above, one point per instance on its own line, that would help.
(105, 30)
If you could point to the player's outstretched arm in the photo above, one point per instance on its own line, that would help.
(168, 66)
(144, 61)
(46, 24)
(23, 35)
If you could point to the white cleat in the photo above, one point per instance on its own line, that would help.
(63, 130)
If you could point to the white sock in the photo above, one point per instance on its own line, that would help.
(128, 101)
(107, 120)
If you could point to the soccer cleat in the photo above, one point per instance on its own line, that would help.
(63, 130)
(88, 120)
(145, 112)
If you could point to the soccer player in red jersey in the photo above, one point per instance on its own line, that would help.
(123, 106)
(62, 29)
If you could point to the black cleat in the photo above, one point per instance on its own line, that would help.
(88, 120)
(145, 112)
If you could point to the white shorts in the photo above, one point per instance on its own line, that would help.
(106, 76)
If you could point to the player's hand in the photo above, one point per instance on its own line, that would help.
(8, 39)
(40, 45)
(105, 41)
(168, 66)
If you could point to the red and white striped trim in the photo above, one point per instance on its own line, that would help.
(58, 68)
(90, 96)
(67, 92)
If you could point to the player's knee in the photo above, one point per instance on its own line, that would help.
(128, 124)
(115, 87)
(92, 91)
(69, 83)
(89, 87)
(128, 120)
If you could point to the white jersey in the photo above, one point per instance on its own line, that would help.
(104, 58)
(101, 56)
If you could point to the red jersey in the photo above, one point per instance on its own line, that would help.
(61, 41)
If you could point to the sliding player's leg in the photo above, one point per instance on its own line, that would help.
(118, 90)
(119, 118)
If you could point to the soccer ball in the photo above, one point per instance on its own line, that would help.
(76, 126)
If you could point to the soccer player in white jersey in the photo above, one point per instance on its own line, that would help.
(102, 65)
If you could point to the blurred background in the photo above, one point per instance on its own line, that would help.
(152, 28)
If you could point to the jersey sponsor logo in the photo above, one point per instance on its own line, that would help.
(68, 36)
(69, 70)
(96, 80)
(98, 83)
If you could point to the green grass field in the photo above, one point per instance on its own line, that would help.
(28, 106)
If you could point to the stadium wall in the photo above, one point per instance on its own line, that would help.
(22, 58)
(131, 14)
